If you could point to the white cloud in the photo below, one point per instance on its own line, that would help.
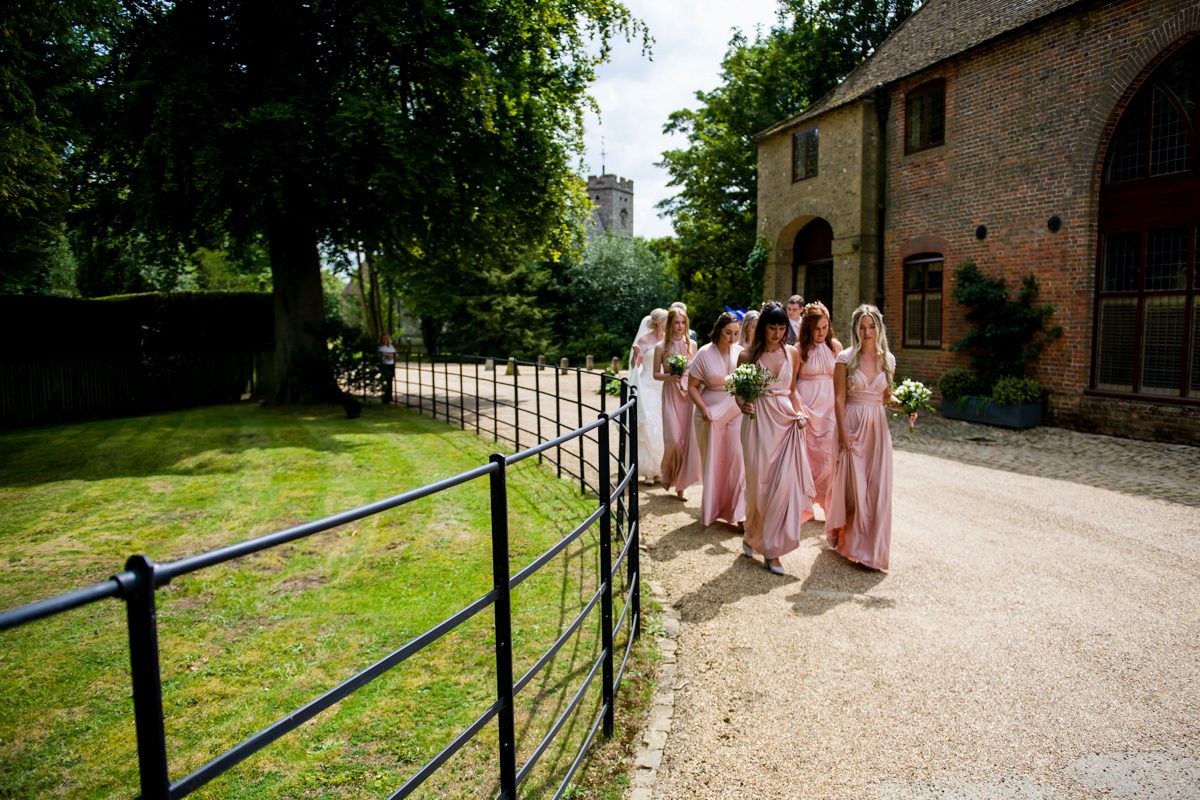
(636, 94)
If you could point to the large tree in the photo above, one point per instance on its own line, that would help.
(51, 54)
(812, 46)
(438, 133)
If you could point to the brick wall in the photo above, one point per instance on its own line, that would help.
(1028, 118)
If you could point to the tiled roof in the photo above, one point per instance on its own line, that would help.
(936, 31)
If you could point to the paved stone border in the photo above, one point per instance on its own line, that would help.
(662, 708)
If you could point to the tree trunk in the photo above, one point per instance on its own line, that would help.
(302, 370)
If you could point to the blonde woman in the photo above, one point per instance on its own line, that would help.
(749, 323)
(681, 454)
(641, 375)
(858, 521)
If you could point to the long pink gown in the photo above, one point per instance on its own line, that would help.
(858, 521)
(720, 442)
(815, 387)
(681, 454)
(779, 485)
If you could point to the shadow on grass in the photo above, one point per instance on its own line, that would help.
(197, 441)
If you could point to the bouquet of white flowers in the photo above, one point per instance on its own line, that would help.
(677, 364)
(749, 382)
(912, 396)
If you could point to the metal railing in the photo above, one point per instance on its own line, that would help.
(617, 503)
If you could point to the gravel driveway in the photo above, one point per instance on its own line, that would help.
(1038, 635)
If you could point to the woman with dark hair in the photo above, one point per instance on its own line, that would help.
(818, 349)
(718, 424)
(779, 486)
(858, 520)
(681, 456)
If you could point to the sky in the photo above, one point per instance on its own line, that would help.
(637, 94)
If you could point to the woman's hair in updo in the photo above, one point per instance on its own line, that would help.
(726, 318)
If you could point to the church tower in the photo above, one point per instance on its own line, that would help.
(612, 200)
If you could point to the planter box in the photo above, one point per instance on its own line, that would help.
(989, 412)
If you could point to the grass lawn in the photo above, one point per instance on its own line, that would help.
(245, 643)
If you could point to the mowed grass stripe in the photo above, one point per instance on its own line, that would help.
(246, 642)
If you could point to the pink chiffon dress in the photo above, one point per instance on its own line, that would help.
(779, 485)
(681, 454)
(858, 521)
(720, 443)
(815, 386)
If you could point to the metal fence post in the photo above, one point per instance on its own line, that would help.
(477, 397)
(634, 562)
(537, 400)
(579, 405)
(516, 405)
(606, 615)
(147, 681)
(433, 384)
(420, 389)
(503, 611)
(622, 437)
(462, 391)
(557, 421)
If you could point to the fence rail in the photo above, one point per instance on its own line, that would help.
(607, 475)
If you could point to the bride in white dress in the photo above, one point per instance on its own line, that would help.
(641, 374)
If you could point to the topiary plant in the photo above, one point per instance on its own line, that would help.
(1013, 391)
(959, 382)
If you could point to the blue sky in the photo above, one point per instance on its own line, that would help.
(636, 94)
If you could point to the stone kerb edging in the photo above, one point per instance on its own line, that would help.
(662, 707)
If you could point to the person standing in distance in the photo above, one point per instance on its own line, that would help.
(795, 314)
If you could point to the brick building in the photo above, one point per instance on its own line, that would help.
(1049, 137)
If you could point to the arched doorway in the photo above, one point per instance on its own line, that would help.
(1147, 318)
(812, 262)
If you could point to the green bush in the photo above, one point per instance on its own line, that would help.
(1008, 333)
(1014, 391)
(959, 382)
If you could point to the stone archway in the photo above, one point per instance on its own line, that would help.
(812, 262)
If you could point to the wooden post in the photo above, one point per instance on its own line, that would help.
(589, 363)
(489, 365)
(512, 366)
(563, 364)
(541, 362)
(616, 364)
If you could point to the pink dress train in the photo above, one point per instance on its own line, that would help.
(858, 521)
(779, 485)
(720, 442)
(815, 387)
(681, 455)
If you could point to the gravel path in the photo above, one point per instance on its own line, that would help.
(1038, 635)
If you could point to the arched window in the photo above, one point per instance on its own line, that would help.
(1147, 334)
(923, 300)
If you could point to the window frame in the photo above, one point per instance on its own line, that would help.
(812, 132)
(930, 88)
(923, 260)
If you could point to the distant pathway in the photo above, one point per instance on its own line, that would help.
(1036, 638)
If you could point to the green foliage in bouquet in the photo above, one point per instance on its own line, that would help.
(749, 382)
(677, 364)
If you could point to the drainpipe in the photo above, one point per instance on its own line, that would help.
(882, 101)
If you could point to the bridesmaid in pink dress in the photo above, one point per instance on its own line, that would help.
(779, 486)
(681, 455)
(858, 521)
(818, 349)
(718, 424)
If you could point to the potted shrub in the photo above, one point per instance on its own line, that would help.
(1009, 334)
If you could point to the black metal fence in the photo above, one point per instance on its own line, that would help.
(586, 452)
